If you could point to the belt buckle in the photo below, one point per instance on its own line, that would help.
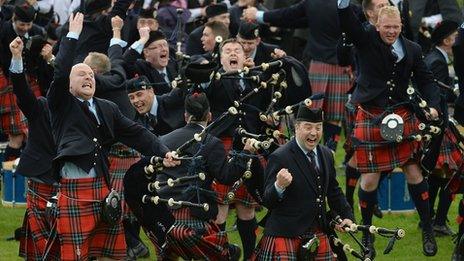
(392, 127)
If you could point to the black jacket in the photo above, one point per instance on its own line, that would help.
(458, 54)
(436, 62)
(298, 208)
(263, 53)
(215, 164)
(78, 138)
(377, 67)
(194, 45)
(37, 156)
(111, 85)
(222, 94)
(97, 31)
(320, 16)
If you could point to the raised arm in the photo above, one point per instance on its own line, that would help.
(134, 52)
(58, 94)
(117, 75)
(26, 99)
(350, 24)
(293, 16)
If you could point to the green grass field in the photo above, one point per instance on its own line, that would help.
(408, 248)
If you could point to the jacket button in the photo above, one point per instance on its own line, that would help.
(318, 200)
(95, 139)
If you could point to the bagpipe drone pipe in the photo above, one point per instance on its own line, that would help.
(392, 234)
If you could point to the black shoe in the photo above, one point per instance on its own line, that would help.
(429, 245)
(458, 252)
(368, 242)
(442, 230)
(234, 252)
(377, 212)
(139, 251)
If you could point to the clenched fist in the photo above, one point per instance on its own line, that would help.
(16, 47)
(249, 14)
(284, 178)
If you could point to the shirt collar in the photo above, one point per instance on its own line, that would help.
(89, 100)
(154, 107)
(444, 54)
(305, 151)
(163, 71)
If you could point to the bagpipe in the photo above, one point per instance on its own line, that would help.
(392, 234)
(456, 182)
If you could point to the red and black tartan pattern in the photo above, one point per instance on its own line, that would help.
(377, 157)
(37, 225)
(81, 230)
(284, 248)
(450, 154)
(12, 120)
(241, 195)
(121, 158)
(334, 81)
(190, 238)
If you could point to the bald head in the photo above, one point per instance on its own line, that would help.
(82, 81)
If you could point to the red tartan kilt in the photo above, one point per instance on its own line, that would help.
(82, 232)
(3, 80)
(37, 225)
(376, 158)
(283, 248)
(334, 81)
(12, 120)
(119, 164)
(184, 239)
(241, 195)
(450, 154)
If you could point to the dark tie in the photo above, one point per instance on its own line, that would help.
(313, 164)
(163, 75)
(86, 108)
(151, 120)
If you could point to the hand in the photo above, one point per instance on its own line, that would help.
(117, 23)
(345, 222)
(46, 52)
(249, 62)
(169, 160)
(249, 14)
(278, 53)
(433, 114)
(284, 178)
(16, 47)
(76, 22)
(144, 33)
(31, 2)
(249, 146)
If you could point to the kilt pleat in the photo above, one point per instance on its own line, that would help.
(37, 224)
(190, 238)
(272, 248)
(334, 81)
(81, 230)
(450, 154)
(12, 120)
(376, 157)
(121, 159)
